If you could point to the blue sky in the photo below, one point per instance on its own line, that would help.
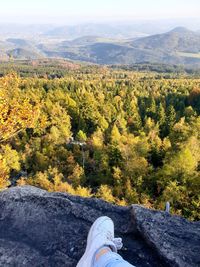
(47, 11)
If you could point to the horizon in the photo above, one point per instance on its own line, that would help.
(78, 12)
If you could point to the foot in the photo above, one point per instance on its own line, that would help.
(101, 234)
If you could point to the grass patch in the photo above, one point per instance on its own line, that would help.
(187, 54)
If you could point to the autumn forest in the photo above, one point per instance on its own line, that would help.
(121, 135)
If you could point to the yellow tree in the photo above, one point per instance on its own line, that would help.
(17, 112)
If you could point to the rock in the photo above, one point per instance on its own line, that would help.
(38, 228)
(176, 240)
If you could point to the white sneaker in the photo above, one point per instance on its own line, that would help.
(101, 234)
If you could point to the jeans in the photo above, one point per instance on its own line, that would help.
(111, 259)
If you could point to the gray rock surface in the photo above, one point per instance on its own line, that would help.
(38, 228)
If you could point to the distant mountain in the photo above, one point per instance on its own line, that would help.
(103, 30)
(18, 48)
(20, 30)
(18, 42)
(88, 40)
(113, 29)
(181, 30)
(108, 53)
(4, 45)
(179, 39)
(178, 46)
(20, 53)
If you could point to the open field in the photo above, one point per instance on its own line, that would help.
(191, 55)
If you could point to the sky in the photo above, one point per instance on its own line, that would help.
(76, 11)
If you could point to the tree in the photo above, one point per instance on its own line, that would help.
(194, 98)
(161, 117)
(105, 193)
(76, 178)
(97, 139)
(81, 136)
(4, 178)
(130, 193)
(59, 123)
(151, 108)
(178, 167)
(142, 132)
(115, 135)
(17, 112)
(170, 120)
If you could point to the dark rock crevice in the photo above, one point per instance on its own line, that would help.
(38, 228)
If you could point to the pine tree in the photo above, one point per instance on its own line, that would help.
(170, 120)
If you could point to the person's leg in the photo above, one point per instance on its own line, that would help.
(106, 258)
(101, 250)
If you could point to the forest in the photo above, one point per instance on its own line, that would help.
(121, 135)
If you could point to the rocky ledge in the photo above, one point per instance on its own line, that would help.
(38, 228)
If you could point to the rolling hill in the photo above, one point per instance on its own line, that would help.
(178, 46)
(109, 53)
(179, 39)
(18, 42)
(95, 29)
(20, 53)
(89, 40)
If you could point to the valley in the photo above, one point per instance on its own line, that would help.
(179, 46)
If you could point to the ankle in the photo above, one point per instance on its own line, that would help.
(102, 251)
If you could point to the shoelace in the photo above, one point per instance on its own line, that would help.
(118, 243)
